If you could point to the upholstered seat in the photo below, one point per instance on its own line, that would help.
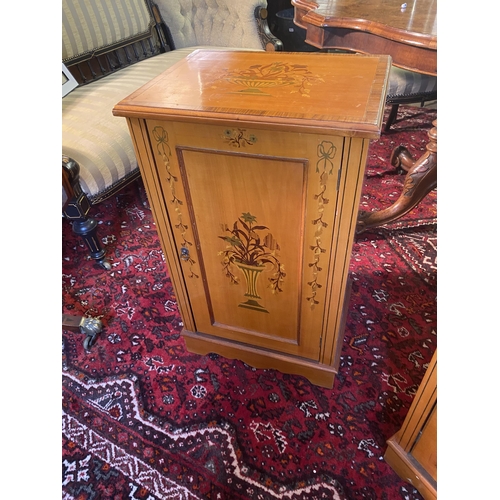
(99, 142)
(113, 47)
(408, 87)
(221, 23)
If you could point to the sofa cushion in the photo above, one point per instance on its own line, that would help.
(100, 142)
(218, 23)
(91, 25)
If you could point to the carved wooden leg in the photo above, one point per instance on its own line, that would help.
(76, 209)
(420, 180)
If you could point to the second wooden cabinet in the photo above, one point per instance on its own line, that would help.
(412, 451)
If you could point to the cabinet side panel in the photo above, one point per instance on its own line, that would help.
(150, 176)
(350, 183)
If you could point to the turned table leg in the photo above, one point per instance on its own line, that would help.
(76, 210)
(420, 180)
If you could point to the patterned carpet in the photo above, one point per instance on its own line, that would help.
(145, 419)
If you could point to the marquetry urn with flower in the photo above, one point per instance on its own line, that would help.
(251, 252)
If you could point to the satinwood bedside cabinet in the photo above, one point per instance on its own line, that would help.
(253, 163)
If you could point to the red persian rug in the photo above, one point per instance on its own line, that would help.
(144, 419)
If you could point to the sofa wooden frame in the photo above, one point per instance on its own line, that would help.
(93, 65)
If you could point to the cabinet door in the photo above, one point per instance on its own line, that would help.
(253, 214)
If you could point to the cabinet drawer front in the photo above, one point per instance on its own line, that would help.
(253, 217)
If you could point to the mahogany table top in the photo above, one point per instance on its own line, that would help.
(408, 34)
(416, 23)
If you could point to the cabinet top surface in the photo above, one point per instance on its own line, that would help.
(302, 91)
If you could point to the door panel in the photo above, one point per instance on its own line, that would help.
(249, 218)
(278, 193)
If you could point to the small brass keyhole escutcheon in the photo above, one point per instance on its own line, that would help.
(184, 253)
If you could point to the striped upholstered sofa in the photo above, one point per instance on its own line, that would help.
(112, 47)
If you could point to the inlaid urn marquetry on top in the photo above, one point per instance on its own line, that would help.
(290, 90)
(258, 77)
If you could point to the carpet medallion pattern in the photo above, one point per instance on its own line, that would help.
(145, 419)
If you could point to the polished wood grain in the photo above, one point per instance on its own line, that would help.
(330, 92)
(412, 452)
(254, 172)
(408, 34)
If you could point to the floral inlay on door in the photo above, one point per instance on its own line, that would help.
(325, 167)
(238, 138)
(252, 249)
(161, 137)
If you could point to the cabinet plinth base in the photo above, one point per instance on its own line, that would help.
(318, 374)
